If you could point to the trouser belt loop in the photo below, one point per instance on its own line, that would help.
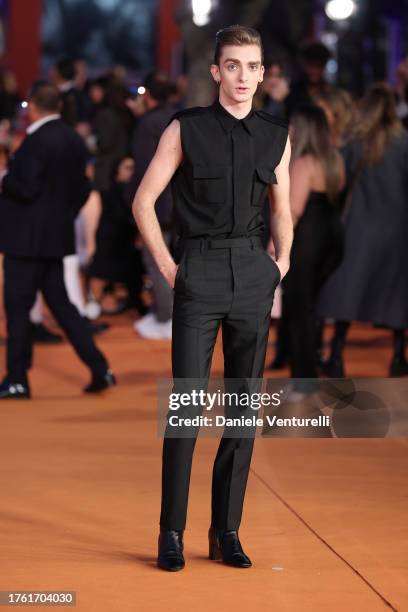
(252, 243)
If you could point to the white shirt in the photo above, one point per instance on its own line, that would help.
(66, 86)
(37, 124)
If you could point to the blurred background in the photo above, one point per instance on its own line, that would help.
(123, 67)
(367, 38)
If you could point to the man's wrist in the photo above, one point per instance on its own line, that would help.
(285, 259)
(167, 266)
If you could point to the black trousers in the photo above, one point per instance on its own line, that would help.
(231, 287)
(22, 279)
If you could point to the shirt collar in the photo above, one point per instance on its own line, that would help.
(228, 121)
(37, 124)
(66, 86)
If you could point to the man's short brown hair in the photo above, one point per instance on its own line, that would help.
(45, 96)
(236, 35)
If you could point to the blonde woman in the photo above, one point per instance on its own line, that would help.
(339, 108)
(317, 176)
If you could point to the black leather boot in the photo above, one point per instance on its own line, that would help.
(334, 366)
(398, 367)
(171, 548)
(225, 545)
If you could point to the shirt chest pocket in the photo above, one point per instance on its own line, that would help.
(210, 184)
(263, 177)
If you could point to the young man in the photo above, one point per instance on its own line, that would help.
(221, 160)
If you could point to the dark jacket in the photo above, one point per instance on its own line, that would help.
(76, 106)
(43, 192)
(371, 283)
(144, 144)
(111, 144)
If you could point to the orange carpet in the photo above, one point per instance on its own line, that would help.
(325, 520)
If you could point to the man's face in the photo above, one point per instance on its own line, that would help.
(125, 170)
(273, 74)
(81, 72)
(96, 93)
(314, 72)
(272, 78)
(402, 70)
(239, 72)
(32, 111)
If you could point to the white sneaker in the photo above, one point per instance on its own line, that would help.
(93, 310)
(148, 318)
(152, 329)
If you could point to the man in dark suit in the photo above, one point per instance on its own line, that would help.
(41, 196)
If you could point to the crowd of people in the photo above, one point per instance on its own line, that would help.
(349, 190)
(348, 199)
(121, 130)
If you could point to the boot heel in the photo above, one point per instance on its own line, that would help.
(214, 551)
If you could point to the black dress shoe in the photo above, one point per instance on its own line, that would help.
(225, 545)
(171, 546)
(42, 335)
(9, 390)
(99, 382)
(398, 367)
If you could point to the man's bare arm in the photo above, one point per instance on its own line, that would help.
(164, 164)
(281, 218)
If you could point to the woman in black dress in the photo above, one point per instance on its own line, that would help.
(108, 128)
(317, 176)
(116, 259)
(371, 284)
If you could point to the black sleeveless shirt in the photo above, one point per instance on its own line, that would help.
(220, 187)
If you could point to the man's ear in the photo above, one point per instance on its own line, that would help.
(215, 72)
(262, 74)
